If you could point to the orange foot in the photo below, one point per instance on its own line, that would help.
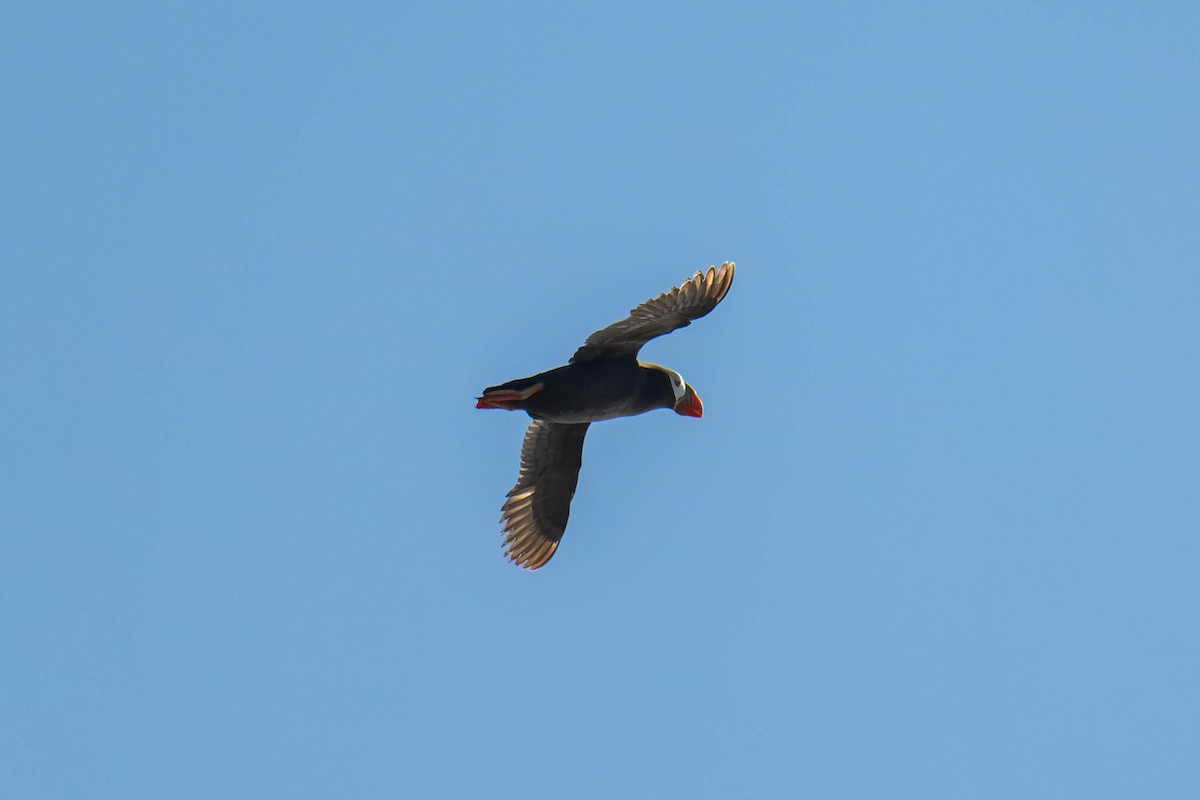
(507, 399)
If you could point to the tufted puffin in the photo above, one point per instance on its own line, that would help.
(603, 380)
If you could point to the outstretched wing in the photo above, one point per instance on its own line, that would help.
(535, 513)
(671, 310)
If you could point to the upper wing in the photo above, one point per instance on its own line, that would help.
(535, 513)
(674, 309)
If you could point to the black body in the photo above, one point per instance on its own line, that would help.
(590, 391)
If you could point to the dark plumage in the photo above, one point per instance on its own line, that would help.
(604, 380)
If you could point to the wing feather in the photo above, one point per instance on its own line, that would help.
(669, 311)
(536, 511)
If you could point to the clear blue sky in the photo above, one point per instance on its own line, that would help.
(935, 537)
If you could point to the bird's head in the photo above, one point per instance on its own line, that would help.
(687, 402)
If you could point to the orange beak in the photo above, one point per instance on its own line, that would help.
(689, 405)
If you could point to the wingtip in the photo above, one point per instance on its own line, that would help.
(529, 554)
(721, 279)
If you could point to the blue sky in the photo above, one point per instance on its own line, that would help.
(936, 535)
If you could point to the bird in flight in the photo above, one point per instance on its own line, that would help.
(603, 380)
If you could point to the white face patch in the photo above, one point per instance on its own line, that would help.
(677, 384)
